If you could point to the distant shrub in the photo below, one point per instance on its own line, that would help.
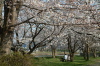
(17, 59)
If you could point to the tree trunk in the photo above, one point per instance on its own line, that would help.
(86, 52)
(6, 45)
(53, 49)
(10, 15)
(64, 52)
(53, 53)
(1, 6)
(71, 57)
(94, 53)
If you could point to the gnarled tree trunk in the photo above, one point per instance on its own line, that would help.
(10, 16)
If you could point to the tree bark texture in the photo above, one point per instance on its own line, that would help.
(10, 16)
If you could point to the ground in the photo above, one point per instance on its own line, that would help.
(79, 61)
(96, 64)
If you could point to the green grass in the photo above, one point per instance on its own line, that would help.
(79, 61)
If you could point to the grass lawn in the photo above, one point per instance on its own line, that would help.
(79, 61)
